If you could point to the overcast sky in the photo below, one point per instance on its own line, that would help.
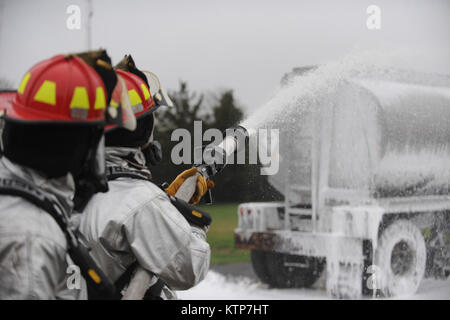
(214, 45)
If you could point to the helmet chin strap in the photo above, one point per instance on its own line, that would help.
(146, 156)
(152, 152)
(136, 158)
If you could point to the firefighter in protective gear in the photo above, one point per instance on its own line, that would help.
(135, 223)
(52, 145)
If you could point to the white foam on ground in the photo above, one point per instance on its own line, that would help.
(219, 287)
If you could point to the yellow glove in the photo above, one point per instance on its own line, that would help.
(201, 187)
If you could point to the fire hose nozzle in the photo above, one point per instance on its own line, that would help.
(217, 155)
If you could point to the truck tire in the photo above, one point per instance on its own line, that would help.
(259, 265)
(400, 259)
(281, 270)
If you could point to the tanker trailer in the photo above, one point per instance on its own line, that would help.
(365, 174)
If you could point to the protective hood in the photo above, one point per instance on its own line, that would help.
(129, 158)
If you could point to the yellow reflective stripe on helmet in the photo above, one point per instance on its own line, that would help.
(134, 97)
(46, 93)
(145, 91)
(100, 101)
(23, 83)
(80, 98)
(114, 103)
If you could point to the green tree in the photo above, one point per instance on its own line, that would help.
(226, 113)
(187, 108)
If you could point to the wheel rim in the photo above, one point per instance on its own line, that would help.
(402, 258)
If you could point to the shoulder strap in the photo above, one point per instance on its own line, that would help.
(99, 285)
(13, 187)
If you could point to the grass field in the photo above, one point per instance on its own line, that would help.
(220, 234)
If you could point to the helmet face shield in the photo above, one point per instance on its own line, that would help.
(96, 169)
(99, 165)
(119, 112)
(158, 93)
(92, 177)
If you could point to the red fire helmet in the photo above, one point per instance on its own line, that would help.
(62, 88)
(141, 99)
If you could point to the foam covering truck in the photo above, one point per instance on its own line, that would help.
(365, 175)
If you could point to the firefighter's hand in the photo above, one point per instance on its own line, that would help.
(201, 188)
